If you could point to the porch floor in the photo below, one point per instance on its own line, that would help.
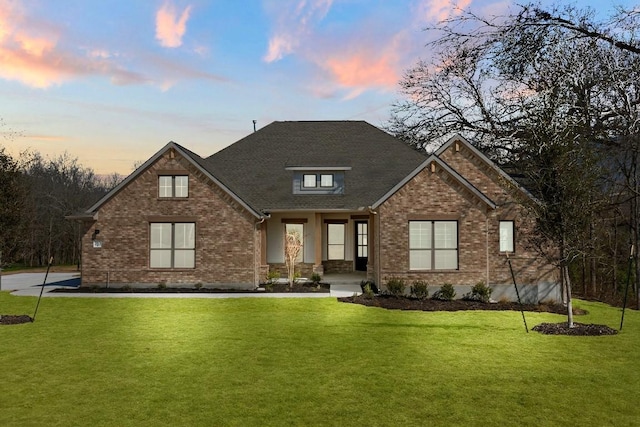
(345, 284)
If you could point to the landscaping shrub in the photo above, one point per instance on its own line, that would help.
(272, 277)
(396, 286)
(419, 289)
(371, 285)
(367, 291)
(480, 292)
(315, 278)
(445, 293)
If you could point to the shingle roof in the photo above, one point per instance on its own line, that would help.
(254, 168)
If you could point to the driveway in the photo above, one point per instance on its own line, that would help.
(30, 283)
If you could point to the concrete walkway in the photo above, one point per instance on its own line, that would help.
(30, 284)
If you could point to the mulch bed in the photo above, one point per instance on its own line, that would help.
(404, 303)
(14, 319)
(578, 329)
(279, 288)
(395, 303)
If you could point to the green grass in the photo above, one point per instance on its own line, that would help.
(149, 362)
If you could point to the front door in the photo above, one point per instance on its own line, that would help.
(362, 245)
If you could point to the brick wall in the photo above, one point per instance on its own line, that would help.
(227, 237)
(337, 266)
(435, 195)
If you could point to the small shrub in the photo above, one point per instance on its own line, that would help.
(396, 286)
(445, 293)
(371, 285)
(273, 277)
(198, 286)
(127, 288)
(95, 288)
(367, 291)
(162, 285)
(504, 300)
(480, 292)
(419, 289)
(315, 278)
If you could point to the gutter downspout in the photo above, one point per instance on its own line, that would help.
(487, 246)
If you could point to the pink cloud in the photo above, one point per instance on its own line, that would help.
(32, 53)
(294, 21)
(29, 53)
(367, 55)
(169, 26)
(438, 10)
(363, 69)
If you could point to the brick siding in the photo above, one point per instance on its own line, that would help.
(227, 237)
(435, 195)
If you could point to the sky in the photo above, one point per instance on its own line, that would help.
(110, 82)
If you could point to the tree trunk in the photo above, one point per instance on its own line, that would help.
(584, 275)
(567, 280)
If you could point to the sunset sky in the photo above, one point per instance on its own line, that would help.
(112, 81)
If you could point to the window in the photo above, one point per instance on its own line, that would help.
(335, 241)
(316, 181)
(172, 245)
(309, 181)
(433, 245)
(173, 186)
(299, 230)
(326, 180)
(507, 236)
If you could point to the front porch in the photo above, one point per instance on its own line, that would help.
(345, 284)
(337, 246)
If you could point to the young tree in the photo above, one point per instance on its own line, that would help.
(292, 246)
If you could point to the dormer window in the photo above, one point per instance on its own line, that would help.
(309, 180)
(318, 179)
(326, 180)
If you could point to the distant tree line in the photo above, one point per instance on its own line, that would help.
(553, 95)
(36, 193)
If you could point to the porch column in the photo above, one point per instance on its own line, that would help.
(263, 244)
(317, 264)
(371, 261)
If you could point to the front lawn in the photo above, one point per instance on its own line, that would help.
(149, 362)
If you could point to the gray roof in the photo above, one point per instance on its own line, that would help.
(255, 167)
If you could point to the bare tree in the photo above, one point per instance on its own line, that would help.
(538, 94)
(292, 247)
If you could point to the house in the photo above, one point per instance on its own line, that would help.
(361, 200)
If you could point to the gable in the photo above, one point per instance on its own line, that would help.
(179, 160)
(435, 165)
(478, 169)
